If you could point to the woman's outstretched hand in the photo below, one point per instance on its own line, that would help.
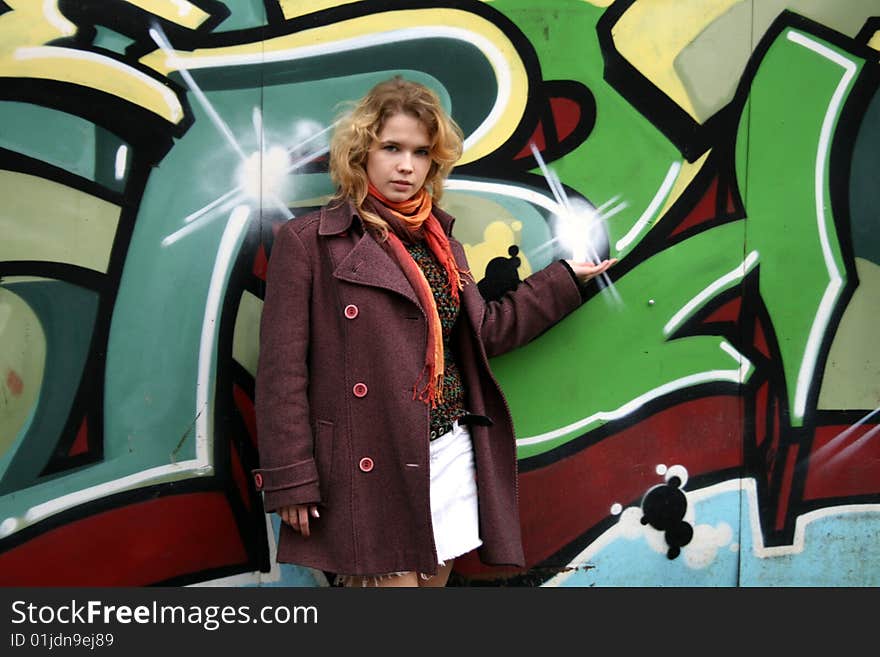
(587, 270)
(297, 516)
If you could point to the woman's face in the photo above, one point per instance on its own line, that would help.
(399, 161)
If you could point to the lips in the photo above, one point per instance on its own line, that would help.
(401, 184)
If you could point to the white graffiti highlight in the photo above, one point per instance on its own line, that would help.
(241, 193)
(62, 55)
(710, 291)
(57, 19)
(140, 479)
(578, 228)
(660, 196)
(552, 179)
(184, 8)
(499, 64)
(737, 375)
(502, 189)
(849, 450)
(204, 216)
(674, 471)
(226, 252)
(611, 207)
(161, 40)
(801, 523)
(262, 174)
(824, 223)
(219, 202)
(305, 132)
(257, 120)
(554, 207)
(829, 449)
(121, 162)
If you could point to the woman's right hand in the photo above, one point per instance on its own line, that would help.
(297, 516)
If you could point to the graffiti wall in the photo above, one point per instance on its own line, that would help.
(708, 417)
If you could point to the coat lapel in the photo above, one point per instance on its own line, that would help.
(366, 263)
(369, 264)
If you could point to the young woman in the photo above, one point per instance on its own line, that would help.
(385, 443)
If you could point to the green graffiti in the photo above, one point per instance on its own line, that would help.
(789, 125)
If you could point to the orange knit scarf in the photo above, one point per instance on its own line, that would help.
(416, 214)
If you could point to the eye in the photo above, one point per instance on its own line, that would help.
(391, 148)
(423, 152)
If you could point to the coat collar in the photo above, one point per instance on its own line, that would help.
(447, 221)
(338, 216)
(367, 263)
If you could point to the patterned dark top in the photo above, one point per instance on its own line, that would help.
(452, 406)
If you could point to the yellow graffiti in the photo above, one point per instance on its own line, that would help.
(387, 26)
(600, 3)
(294, 8)
(44, 220)
(852, 375)
(875, 41)
(246, 336)
(25, 30)
(176, 11)
(32, 22)
(92, 70)
(475, 215)
(650, 35)
(497, 237)
(22, 364)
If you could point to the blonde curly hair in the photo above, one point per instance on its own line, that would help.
(357, 132)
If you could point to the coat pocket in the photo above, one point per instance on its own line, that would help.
(324, 440)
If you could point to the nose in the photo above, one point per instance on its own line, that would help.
(404, 164)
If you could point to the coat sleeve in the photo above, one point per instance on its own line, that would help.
(287, 472)
(540, 301)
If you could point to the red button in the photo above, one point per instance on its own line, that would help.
(258, 480)
(351, 311)
(366, 464)
(360, 389)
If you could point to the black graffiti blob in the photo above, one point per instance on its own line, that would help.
(663, 508)
(501, 275)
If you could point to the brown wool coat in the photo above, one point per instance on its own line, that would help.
(339, 312)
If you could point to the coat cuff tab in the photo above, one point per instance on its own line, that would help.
(288, 476)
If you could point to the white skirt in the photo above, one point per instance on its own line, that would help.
(454, 509)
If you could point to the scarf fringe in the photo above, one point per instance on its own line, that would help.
(432, 392)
